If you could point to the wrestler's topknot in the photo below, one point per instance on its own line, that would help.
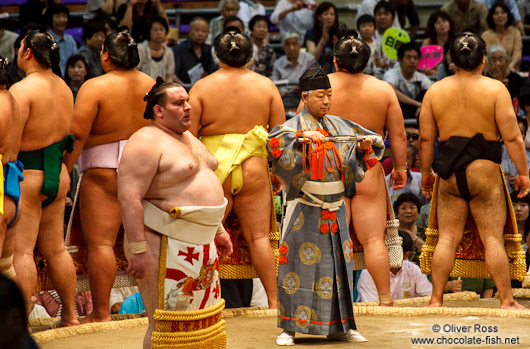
(44, 47)
(122, 49)
(4, 75)
(352, 54)
(233, 47)
(468, 51)
(157, 95)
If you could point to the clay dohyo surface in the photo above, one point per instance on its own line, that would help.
(244, 332)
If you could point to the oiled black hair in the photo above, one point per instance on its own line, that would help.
(352, 54)
(122, 49)
(233, 47)
(44, 48)
(157, 96)
(468, 51)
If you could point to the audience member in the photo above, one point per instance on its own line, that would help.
(227, 8)
(439, 30)
(508, 167)
(57, 17)
(385, 15)
(498, 68)
(248, 9)
(405, 282)
(291, 67)
(53, 305)
(446, 67)
(405, 9)
(137, 14)
(325, 33)
(156, 59)
(523, 7)
(7, 43)
(31, 13)
(118, 295)
(77, 72)
(234, 21)
(467, 14)
(264, 56)
(293, 16)
(13, 319)
(193, 55)
(132, 305)
(367, 7)
(366, 29)
(502, 32)
(15, 73)
(94, 36)
(407, 207)
(99, 9)
(409, 84)
(521, 207)
(413, 184)
(512, 7)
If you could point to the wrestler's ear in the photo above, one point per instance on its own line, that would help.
(27, 54)
(105, 56)
(157, 110)
(335, 63)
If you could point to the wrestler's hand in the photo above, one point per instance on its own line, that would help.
(315, 136)
(522, 183)
(398, 180)
(137, 265)
(427, 184)
(224, 244)
(365, 144)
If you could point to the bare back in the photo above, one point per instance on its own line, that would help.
(178, 169)
(46, 107)
(116, 98)
(464, 105)
(362, 99)
(234, 100)
(10, 127)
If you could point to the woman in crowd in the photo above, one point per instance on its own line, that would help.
(325, 33)
(76, 73)
(156, 59)
(439, 31)
(294, 16)
(499, 68)
(503, 32)
(137, 14)
(264, 55)
(407, 208)
(227, 8)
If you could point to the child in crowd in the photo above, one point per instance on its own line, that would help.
(366, 29)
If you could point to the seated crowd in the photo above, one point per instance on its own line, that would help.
(309, 32)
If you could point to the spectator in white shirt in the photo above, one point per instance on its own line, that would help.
(409, 84)
(294, 16)
(405, 282)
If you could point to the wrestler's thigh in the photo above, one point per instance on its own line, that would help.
(228, 195)
(488, 204)
(369, 207)
(149, 284)
(51, 230)
(7, 217)
(98, 207)
(30, 210)
(253, 203)
(452, 211)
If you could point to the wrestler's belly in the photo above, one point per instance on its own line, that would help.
(203, 189)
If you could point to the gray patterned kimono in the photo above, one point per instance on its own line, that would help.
(315, 277)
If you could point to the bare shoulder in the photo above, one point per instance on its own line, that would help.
(149, 134)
